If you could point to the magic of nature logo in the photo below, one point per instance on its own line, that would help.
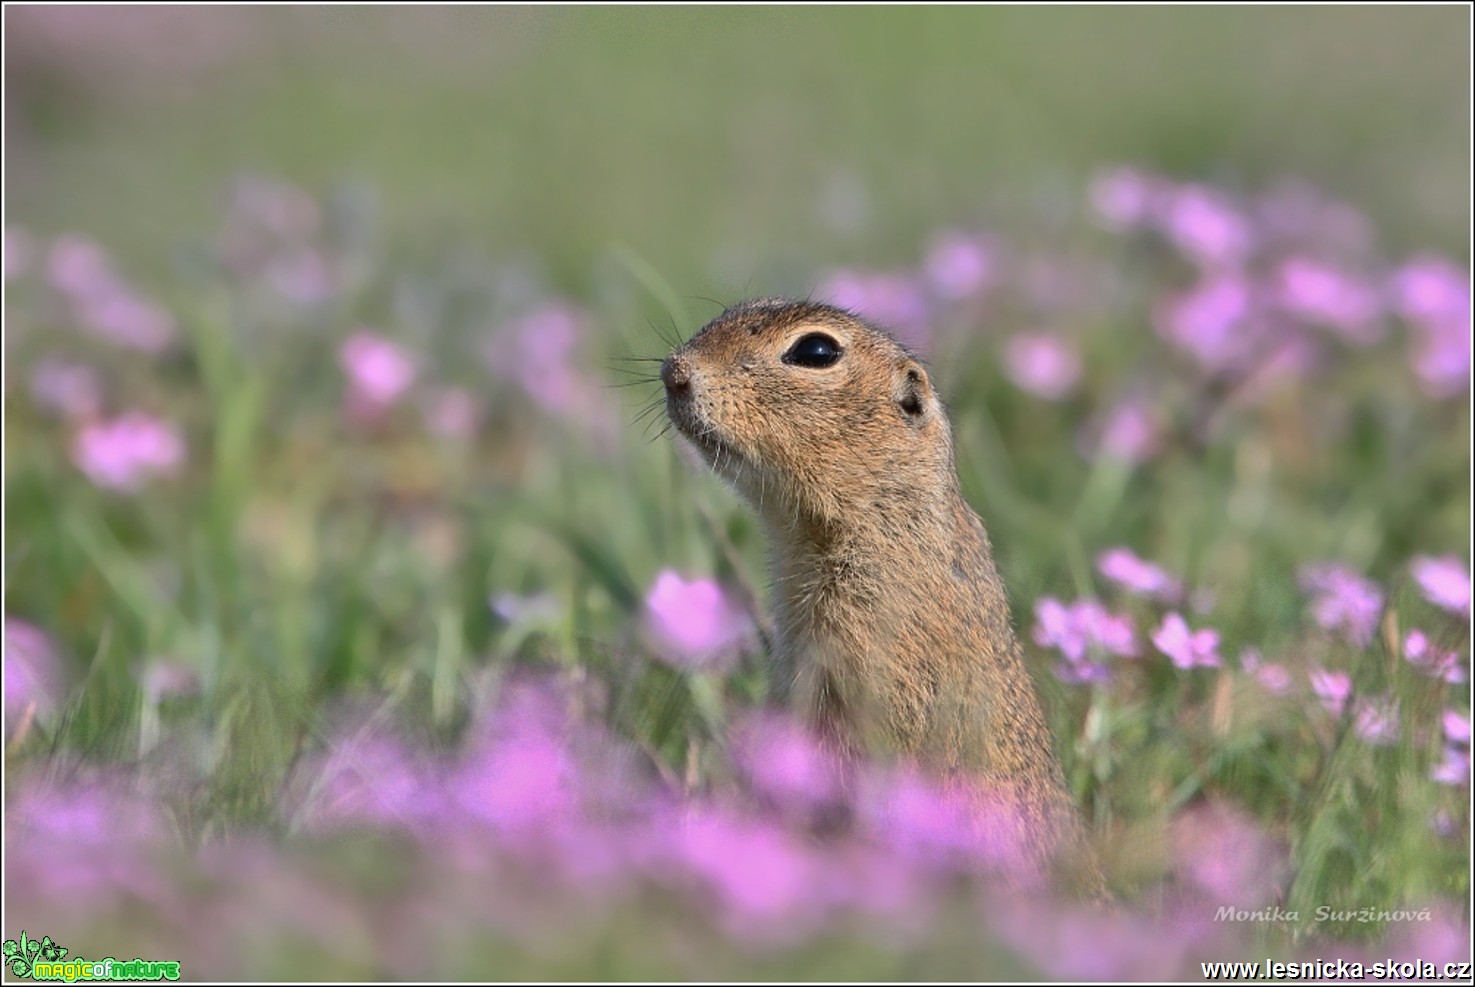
(45, 959)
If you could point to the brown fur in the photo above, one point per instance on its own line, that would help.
(893, 628)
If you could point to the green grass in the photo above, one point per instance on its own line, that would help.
(706, 139)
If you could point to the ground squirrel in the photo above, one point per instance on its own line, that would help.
(893, 628)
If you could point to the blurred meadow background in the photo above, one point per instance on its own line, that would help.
(360, 624)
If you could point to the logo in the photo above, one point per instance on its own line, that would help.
(46, 960)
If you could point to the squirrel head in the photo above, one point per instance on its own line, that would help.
(807, 409)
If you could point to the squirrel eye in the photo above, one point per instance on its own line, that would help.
(813, 350)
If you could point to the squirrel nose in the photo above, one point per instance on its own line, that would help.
(676, 376)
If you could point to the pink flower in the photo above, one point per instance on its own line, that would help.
(1226, 853)
(83, 841)
(1332, 688)
(787, 763)
(1204, 226)
(958, 265)
(540, 353)
(31, 672)
(1457, 727)
(1121, 566)
(1376, 720)
(1432, 290)
(1299, 214)
(967, 828)
(103, 301)
(126, 452)
(303, 277)
(1420, 652)
(1056, 628)
(894, 301)
(71, 389)
(1272, 677)
(372, 779)
(918, 817)
(1124, 199)
(1343, 600)
(764, 880)
(1084, 625)
(519, 783)
(1110, 632)
(1129, 433)
(77, 267)
(452, 412)
(1187, 649)
(1441, 360)
(694, 620)
(379, 372)
(547, 340)
(167, 679)
(1210, 322)
(1445, 582)
(1083, 630)
(127, 318)
(85, 816)
(1454, 769)
(1321, 294)
(1434, 296)
(1087, 945)
(1280, 356)
(1043, 364)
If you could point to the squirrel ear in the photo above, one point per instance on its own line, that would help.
(913, 391)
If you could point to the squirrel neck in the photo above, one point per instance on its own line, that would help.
(912, 546)
(900, 629)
